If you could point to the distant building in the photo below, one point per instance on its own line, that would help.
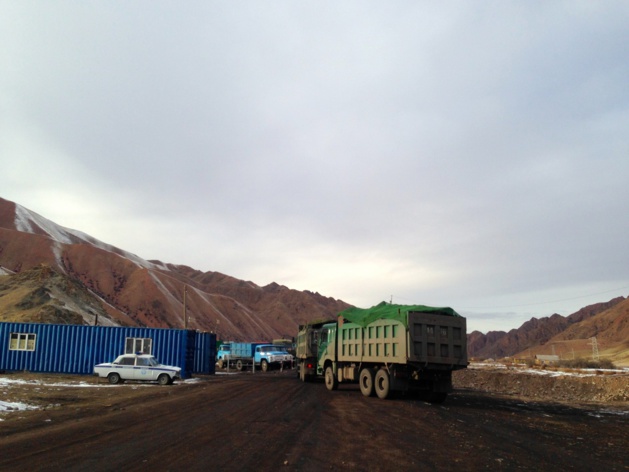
(546, 360)
(75, 349)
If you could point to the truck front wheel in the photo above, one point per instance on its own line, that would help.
(366, 382)
(264, 365)
(331, 383)
(382, 384)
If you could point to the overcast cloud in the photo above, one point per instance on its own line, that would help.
(468, 154)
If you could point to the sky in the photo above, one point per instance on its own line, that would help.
(464, 154)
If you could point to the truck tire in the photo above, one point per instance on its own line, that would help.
(331, 383)
(382, 384)
(366, 382)
(239, 365)
(264, 365)
(220, 363)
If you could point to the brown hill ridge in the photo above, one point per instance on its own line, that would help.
(567, 337)
(41, 294)
(53, 274)
(125, 289)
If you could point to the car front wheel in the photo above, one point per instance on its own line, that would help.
(163, 379)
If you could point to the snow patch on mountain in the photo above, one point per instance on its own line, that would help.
(30, 222)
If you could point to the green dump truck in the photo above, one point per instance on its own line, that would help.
(387, 348)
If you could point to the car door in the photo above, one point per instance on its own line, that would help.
(126, 367)
(143, 369)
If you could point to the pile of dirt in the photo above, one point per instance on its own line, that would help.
(547, 385)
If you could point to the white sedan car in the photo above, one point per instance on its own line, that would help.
(137, 367)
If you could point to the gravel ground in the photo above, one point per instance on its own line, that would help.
(575, 386)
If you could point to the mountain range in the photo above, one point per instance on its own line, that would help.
(58, 275)
(52, 274)
(565, 336)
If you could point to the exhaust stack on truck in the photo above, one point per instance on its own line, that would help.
(386, 348)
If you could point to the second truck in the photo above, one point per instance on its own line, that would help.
(386, 348)
(258, 356)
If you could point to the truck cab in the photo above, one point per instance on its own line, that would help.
(268, 355)
(312, 341)
(223, 352)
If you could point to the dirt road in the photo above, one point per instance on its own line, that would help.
(274, 422)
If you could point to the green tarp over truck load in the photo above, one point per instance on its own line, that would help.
(365, 316)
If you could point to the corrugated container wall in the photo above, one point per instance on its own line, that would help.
(75, 349)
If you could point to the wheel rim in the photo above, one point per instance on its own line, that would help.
(330, 380)
(382, 384)
(366, 382)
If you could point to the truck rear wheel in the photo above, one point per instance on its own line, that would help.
(331, 383)
(382, 384)
(366, 382)
(239, 365)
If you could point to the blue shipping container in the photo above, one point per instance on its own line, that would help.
(75, 349)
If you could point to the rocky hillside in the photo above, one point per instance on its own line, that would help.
(40, 257)
(42, 295)
(566, 336)
(53, 274)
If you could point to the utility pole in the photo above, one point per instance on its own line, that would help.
(185, 315)
(594, 343)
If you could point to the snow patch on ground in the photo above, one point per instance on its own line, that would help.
(551, 372)
(7, 383)
(602, 413)
(11, 406)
